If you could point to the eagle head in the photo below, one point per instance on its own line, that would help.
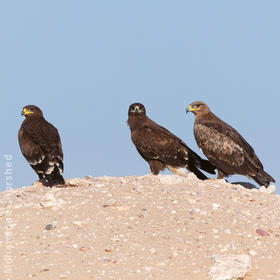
(198, 107)
(136, 109)
(31, 110)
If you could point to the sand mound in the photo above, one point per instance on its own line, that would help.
(149, 227)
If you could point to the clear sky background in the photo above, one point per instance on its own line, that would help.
(84, 62)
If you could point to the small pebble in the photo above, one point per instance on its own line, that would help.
(45, 269)
(84, 249)
(215, 206)
(153, 251)
(148, 268)
(110, 202)
(262, 232)
(77, 223)
(50, 227)
(252, 253)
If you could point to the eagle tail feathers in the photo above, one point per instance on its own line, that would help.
(207, 166)
(197, 172)
(263, 178)
(203, 164)
(55, 178)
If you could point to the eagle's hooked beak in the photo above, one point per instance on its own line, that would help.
(136, 110)
(191, 109)
(25, 112)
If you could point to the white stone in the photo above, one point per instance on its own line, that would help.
(229, 267)
(252, 253)
(215, 206)
(269, 190)
(48, 201)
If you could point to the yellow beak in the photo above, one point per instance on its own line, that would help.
(191, 109)
(26, 112)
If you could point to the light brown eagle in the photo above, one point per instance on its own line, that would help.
(225, 147)
(41, 146)
(162, 149)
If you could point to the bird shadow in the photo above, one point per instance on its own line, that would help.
(246, 185)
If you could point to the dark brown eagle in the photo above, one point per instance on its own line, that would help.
(225, 147)
(40, 144)
(162, 149)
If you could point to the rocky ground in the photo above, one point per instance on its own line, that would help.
(149, 227)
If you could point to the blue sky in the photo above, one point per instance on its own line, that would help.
(84, 62)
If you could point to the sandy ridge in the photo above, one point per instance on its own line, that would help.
(148, 227)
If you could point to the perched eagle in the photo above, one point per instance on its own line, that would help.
(225, 147)
(162, 149)
(40, 144)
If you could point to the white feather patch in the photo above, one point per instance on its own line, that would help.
(181, 171)
(51, 168)
(60, 170)
(35, 162)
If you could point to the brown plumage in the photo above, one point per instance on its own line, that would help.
(225, 147)
(41, 146)
(162, 149)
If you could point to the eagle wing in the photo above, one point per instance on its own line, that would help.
(40, 140)
(222, 143)
(157, 143)
(194, 159)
